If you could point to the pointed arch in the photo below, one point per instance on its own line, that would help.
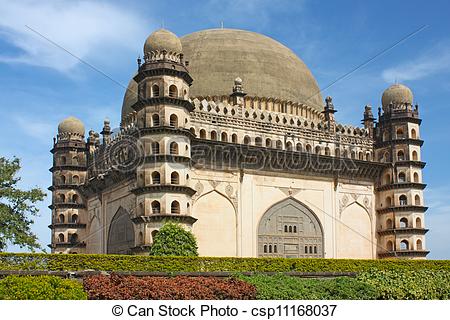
(120, 233)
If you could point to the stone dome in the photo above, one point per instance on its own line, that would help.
(397, 94)
(71, 125)
(218, 56)
(162, 39)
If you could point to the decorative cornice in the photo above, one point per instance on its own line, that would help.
(141, 103)
(161, 217)
(402, 185)
(416, 231)
(67, 205)
(67, 245)
(64, 186)
(402, 209)
(162, 68)
(68, 225)
(166, 188)
(403, 253)
(166, 158)
(414, 142)
(416, 164)
(165, 129)
(71, 167)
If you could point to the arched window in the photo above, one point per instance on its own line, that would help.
(74, 218)
(353, 155)
(141, 238)
(415, 157)
(404, 245)
(247, 140)
(75, 160)
(141, 208)
(416, 177)
(73, 238)
(403, 223)
(265, 248)
(62, 179)
(401, 177)
(387, 178)
(401, 156)
(173, 120)
(258, 141)
(413, 134)
(213, 135)
(286, 228)
(368, 157)
(270, 248)
(275, 250)
(155, 120)
(388, 201)
(61, 237)
(387, 157)
(298, 147)
(389, 224)
(224, 137)
(155, 90)
(156, 207)
(318, 150)
(175, 178)
(202, 134)
(417, 200)
(327, 151)
(155, 147)
(156, 177)
(400, 133)
(390, 246)
(62, 198)
(295, 229)
(306, 249)
(175, 207)
(63, 160)
(268, 143)
(154, 233)
(75, 198)
(289, 146)
(61, 218)
(279, 144)
(75, 179)
(308, 148)
(419, 244)
(290, 229)
(173, 148)
(234, 138)
(173, 91)
(418, 223)
(192, 130)
(403, 200)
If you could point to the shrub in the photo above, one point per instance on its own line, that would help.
(69, 262)
(40, 288)
(173, 240)
(116, 287)
(281, 287)
(409, 285)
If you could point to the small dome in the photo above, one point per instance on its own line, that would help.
(397, 94)
(162, 39)
(71, 125)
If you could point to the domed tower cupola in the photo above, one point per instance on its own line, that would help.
(163, 45)
(397, 96)
(71, 128)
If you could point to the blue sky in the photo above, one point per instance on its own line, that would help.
(41, 84)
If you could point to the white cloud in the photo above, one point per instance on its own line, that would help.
(83, 28)
(434, 61)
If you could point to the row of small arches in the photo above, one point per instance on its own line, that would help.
(401, 178)
(400, 134)
(155, 92)
(403, 200)
(72, 238)
(74, 198)
(156, 177)
(74, 160)
(173, 148)
(63, 179)
(404, 245)
(156, 207)
(278, 144)
(173, 120)
(73, 218)
(404, 223)
(385, 157)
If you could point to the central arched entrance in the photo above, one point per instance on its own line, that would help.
(290, 229)
(121, 233)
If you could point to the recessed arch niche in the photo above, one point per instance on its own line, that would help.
(121, 233)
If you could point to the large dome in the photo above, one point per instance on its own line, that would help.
(397, 94)
(267, 68)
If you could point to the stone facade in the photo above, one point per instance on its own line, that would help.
(251, 176)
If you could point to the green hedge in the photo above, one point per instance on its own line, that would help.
(40, 288)
(68, 262)
(281, 287)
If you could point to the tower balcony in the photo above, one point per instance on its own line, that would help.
(403, 231)
(405, 254)
(402, 208)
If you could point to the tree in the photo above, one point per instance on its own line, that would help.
(173, 240)
(17, 207)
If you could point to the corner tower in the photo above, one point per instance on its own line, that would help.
(400, 204)
(161, 114)
(68, 174)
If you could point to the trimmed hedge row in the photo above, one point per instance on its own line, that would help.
(117, 287)
(282, 287)
(40, 288)
(66, 262)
